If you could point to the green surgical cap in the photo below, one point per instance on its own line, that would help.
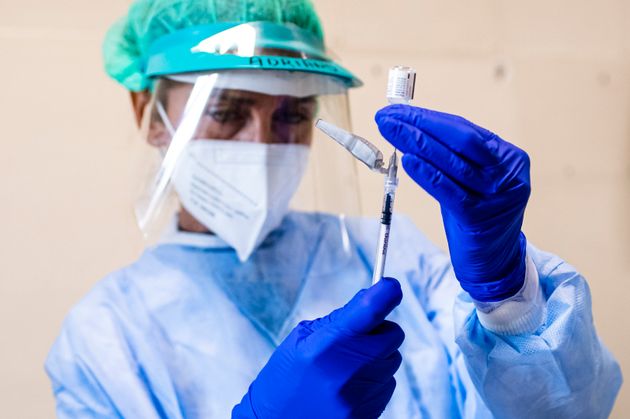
(128, 40)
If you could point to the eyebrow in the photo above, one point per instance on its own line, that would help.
(307, 99)
(240, 100)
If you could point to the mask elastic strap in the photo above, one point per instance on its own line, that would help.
(165, 118)
(180, 137)
(167, 123)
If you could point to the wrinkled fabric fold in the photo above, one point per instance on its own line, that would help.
(163, 338)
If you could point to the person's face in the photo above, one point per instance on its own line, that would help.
(238, 115)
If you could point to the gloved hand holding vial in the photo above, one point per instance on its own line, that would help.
(400, 89)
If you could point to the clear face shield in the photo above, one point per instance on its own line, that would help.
(239, 149)
(231, 126)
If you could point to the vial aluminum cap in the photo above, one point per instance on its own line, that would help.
(401, 84)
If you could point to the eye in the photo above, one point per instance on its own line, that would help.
(226, 116)
(291, 117)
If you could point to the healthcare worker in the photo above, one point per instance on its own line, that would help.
(251, 310)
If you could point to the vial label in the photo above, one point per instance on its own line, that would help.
(401, 84)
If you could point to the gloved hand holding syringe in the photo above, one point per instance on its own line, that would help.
(400, 89)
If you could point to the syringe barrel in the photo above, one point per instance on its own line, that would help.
(388, 208)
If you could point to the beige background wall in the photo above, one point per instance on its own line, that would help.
(551, 76)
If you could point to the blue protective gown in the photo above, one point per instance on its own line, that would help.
(183, 331)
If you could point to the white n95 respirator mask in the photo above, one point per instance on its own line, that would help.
(239, 190)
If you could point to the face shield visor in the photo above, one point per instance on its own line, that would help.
(235, 146)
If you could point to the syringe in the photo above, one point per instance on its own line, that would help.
(367, 153)
(389, 193)
(400, 89)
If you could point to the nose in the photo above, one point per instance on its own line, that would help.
(259, 128)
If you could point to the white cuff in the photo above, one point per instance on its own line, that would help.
(522, 313)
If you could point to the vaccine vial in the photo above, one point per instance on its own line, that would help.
(401, 84)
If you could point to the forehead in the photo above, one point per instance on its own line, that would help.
(242, 98)
(176, 94)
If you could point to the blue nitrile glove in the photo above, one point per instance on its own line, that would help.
(482, 185)
(338, 366)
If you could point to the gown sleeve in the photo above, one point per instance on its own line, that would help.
(560, 369)
(538, 355)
